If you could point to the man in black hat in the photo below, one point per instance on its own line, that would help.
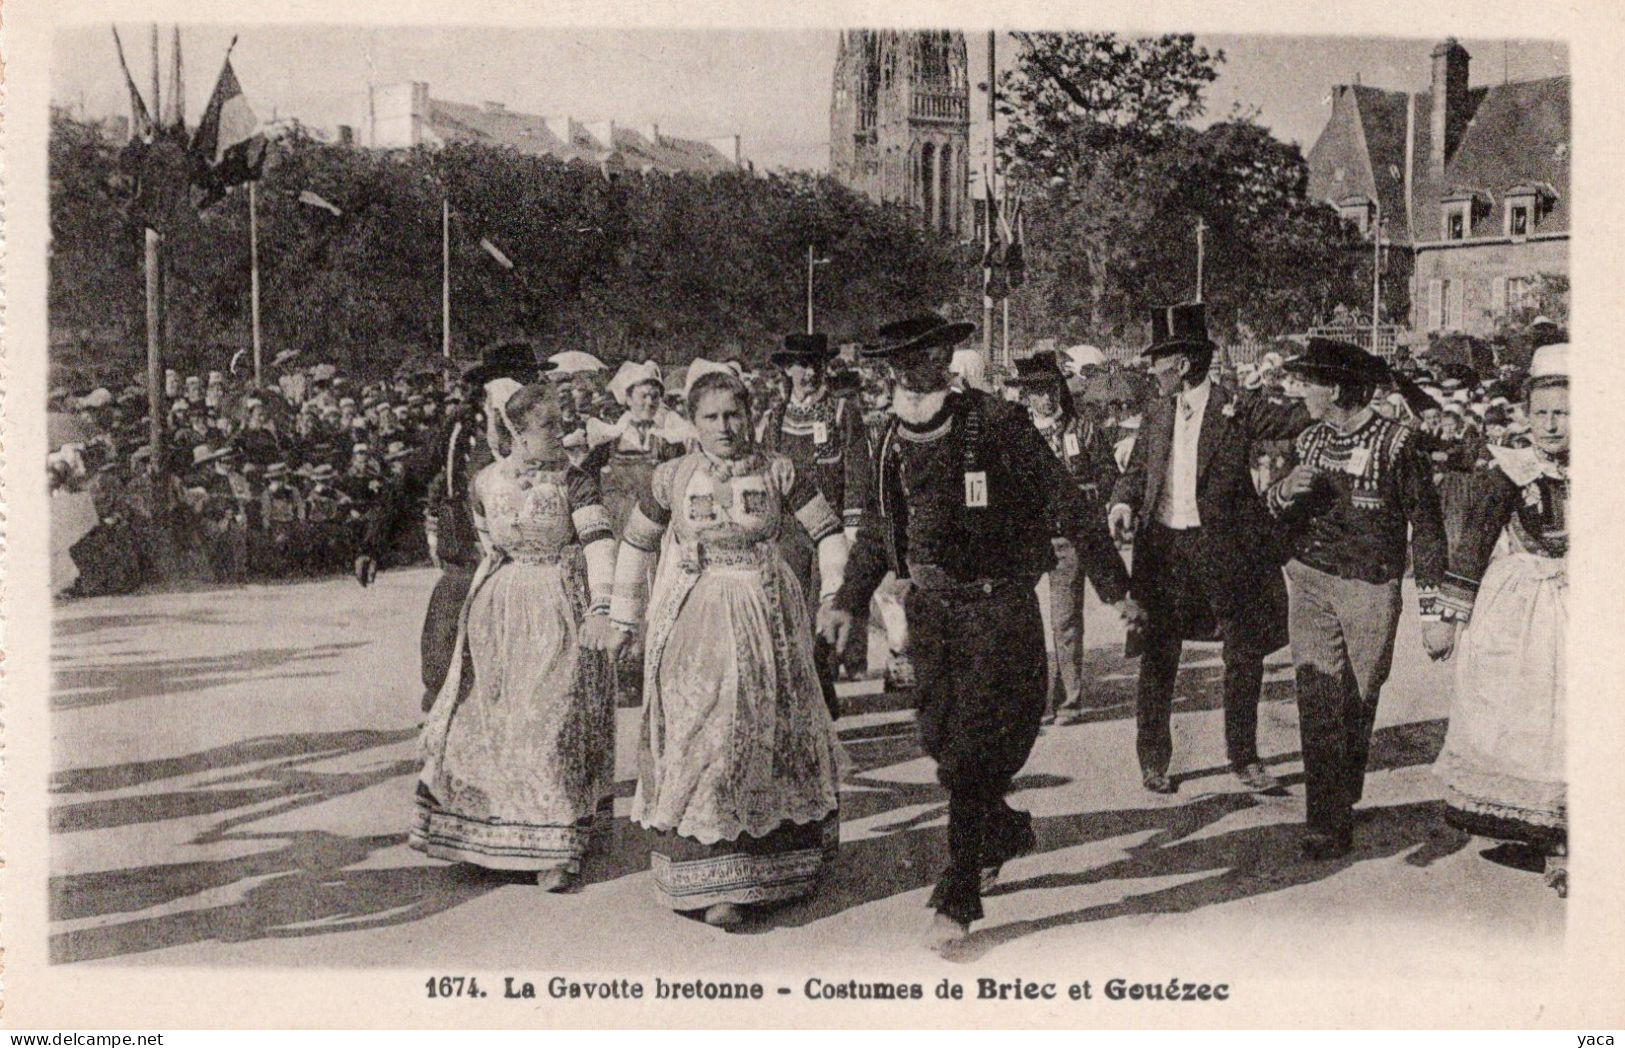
(460, 452)
(965, 497)
(1207, 558)
(1088, 460)
(1360, 486)
(823, 436)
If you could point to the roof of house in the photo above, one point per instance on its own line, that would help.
(1517, 134)
(571, 140)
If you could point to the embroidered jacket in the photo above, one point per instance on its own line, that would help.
(1372, 485)
(824, 437)
(1526, 497)
(976, 493)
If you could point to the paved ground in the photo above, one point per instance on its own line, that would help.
(234, 772)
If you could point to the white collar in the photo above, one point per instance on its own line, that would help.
(917, 408)
(1197, 396)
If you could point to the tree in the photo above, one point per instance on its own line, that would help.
(644, 265)
(1104, 248)
(1074, 95)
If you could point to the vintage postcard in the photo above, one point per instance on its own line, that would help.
(839, 515)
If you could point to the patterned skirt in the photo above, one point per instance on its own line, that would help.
(782, 865)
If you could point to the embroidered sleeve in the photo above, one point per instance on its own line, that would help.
(799, 493)
(587, 510)
(1413, 476)
(1489, 501)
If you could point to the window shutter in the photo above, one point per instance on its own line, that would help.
(1498, 296)
(1435, 304)
(1458, 308)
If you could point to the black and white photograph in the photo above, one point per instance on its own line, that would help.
(873, 518)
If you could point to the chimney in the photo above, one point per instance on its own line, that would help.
(346, 135)
(559, 127)
(651, 132)
(1449, 104)
(728, 146)
(602, 132)
(494, 108)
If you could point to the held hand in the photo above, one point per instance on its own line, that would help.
(366, 570)
(1298, 482)
(1120, 519)
(835, 626)
(1130, 610)
(1439, 638)
(615, 639)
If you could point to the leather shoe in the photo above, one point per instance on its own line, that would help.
(1255, 778)
(1159, 782)
(1320, 846)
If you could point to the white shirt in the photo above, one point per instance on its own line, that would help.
(1176, 507)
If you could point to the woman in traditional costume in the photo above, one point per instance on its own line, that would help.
(1507, 593)
(737, 762)
(519, 747)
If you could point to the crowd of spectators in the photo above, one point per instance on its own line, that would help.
(298, 477)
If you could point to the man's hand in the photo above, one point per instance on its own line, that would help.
(1299, 482)
(366, 569)
(835, 626)
(1120, 519)
(1132, 613)
(1439, 638)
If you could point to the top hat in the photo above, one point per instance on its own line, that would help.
(803, 348)
(1332, 361)
(1040, 369)
(515, 360)
(915, 334)
(1178, 328)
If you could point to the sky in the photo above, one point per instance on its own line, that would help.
(769, 86)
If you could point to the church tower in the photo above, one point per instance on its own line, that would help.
(899, 121)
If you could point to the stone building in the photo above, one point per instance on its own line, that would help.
(400, 116)
(899, 119)
(1471, 182)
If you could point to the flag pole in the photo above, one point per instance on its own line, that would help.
(154, 259)
(254, 278)
(445, 277)
(1201, 245)
(809, 288)
(987, 197)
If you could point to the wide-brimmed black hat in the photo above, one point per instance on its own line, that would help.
(1175, 329)
(1328, 360)
(1040, 369)
(915, 334)
(515, 360)
(803, 348)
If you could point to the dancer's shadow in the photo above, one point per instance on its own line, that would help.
(1240, 864)
(79, 682)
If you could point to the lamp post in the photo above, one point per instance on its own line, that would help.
(812, 263)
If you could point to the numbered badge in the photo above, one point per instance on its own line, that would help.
(1359, 461)
(820, 432)
(976, 490)
(1070, 442)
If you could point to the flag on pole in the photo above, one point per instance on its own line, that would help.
(495, 252)
(228, 148)
(307, 196)
(174, 114)
(141, 126)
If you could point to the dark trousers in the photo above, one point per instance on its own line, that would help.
(1342, 650)
(1184, 571)
(438, 645)
(979, 656)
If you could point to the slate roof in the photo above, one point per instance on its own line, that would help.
(1518, 133)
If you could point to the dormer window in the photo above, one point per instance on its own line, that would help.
(1526, 205)
(1358, 212)
(1461, 211)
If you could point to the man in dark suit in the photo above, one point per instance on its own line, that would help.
(1207, 557)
